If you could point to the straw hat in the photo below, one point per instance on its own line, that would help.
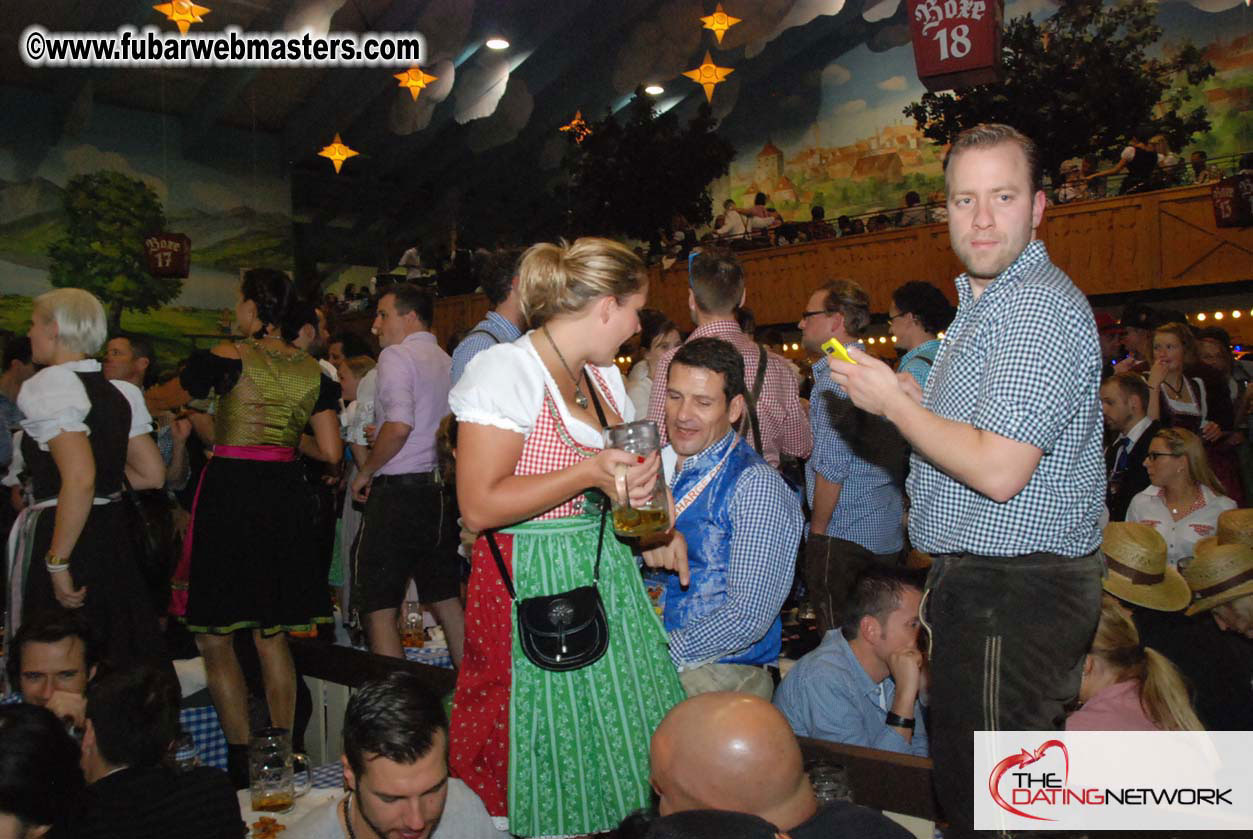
(1219, 573)
(1135, 557)
(1235, 527)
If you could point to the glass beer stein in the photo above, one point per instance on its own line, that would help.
(653, 516)
(270, 771)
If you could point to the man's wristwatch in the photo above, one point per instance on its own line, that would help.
(897, 721)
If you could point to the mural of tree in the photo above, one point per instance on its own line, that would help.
(632, 177)
(108, 215)
(1078, 83)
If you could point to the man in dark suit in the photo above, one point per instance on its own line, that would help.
(1124, 402)
(132, 718)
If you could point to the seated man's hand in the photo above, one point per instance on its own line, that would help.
(670, 554)
(906, 669)
(68, 706)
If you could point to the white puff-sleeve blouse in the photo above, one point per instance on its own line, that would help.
(54, 401)
(503, 386)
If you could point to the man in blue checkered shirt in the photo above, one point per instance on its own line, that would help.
(855, 474)
(1006, 483)
(737, 524)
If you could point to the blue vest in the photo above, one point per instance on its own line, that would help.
(707, 527)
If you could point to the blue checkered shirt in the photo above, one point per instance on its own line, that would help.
(767, 530)
(496, 326)
(871, 506)
(1021, 361)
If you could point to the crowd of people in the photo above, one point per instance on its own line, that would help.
(611, 678)
(1146, 164)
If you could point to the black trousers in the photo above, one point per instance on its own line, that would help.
(1009, 635)
(831, 567)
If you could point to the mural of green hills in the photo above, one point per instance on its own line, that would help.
(26, 240)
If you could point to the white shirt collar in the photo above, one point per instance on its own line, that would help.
(1133, 436)
(83, 365)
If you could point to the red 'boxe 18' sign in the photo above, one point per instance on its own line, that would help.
(169, 254)
(957, 43)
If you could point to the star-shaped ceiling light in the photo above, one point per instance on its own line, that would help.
(183, 13)
(719, 22)
(577, 127)
(709, 74)
(337, 153)
(414, 79)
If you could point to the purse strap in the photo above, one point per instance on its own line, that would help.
(604, 509)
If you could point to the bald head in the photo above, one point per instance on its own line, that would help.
(730, 751)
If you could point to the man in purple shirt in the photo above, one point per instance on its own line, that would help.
(402, 534)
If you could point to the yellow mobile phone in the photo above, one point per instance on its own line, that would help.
(835, 349)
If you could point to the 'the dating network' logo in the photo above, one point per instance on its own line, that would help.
(1025, 787)
(1113, 780)
(1044, 784)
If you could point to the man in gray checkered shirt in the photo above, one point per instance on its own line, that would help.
(1007, 480)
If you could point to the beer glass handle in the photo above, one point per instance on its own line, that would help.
(307, 784)
(620, 484)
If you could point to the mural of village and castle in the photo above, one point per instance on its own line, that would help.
(872, 173)
(862, 154)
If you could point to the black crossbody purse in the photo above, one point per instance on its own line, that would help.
(568, 630)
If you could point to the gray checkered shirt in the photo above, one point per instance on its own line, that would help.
(1021, 361)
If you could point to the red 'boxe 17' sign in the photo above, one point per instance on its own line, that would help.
(169, 254)
(957, 43)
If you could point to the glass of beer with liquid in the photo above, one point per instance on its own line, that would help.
(653, 516)
(272, 772)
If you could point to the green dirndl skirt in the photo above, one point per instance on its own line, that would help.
(578, 751)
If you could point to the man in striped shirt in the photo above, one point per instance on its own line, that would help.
(717, 288)
(1007, 480)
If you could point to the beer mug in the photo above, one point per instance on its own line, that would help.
(270, 771)
(653, 516)
(411, 631)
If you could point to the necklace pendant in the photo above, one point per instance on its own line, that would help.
(580, 399)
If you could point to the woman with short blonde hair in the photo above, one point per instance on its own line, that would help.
(85, 437)
(79, 317)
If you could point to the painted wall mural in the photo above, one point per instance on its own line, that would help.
(862, 155)
(236, 209)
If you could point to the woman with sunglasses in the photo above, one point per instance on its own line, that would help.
(1184, 498)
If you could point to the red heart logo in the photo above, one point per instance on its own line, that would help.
(1025, 758)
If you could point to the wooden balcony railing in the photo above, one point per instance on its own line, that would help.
(1155, 240)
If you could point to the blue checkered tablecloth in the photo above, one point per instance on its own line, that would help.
(201, 723)
(203, 726)
(434, 656)
(328, 776)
